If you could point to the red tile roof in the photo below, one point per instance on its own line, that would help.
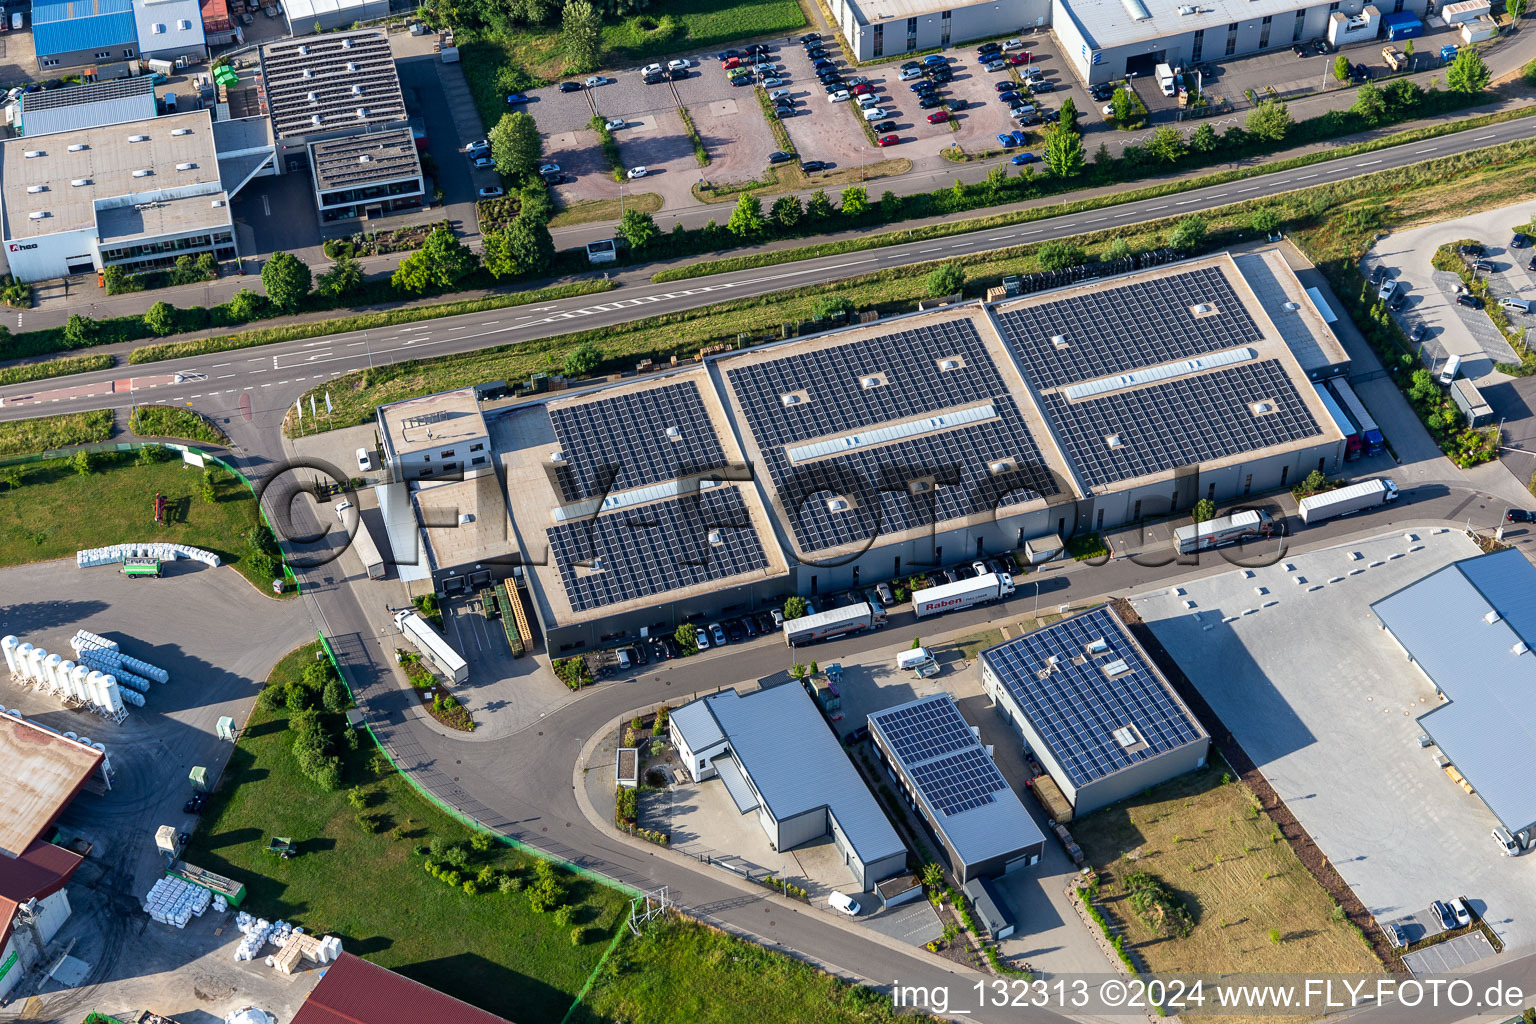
(40, 871)
(355, 991)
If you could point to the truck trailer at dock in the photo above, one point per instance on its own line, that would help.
(1354, 498)
(952, 597)
(435, 651)
(834, 622)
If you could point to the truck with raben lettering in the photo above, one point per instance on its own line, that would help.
(1354, 498)
(435, 651)
(951, 597)
(834, 622)
(1213, 533)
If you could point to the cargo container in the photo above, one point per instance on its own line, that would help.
(952, 597)
(435, 651)
(835, 622)
(1344, 423)
(1354, 498)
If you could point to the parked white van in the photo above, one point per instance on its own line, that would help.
(1450, 370)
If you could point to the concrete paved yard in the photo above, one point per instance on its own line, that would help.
(657, 142)
(1462, 951)
(915, 923)
(1291, 659)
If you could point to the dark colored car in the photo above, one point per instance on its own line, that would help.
(1010, 99)
(654, 79)
(196, 804)
(955, 105)
(1399, 299)
(922, 87)
(950, 575)
(1378, 272)
(857, 736)
(1486, 266)
(728, 54)
(781, 112)
(885, 126)
(911, 64)
(640, 653)
(741, 80)
(1519, 515)
(1005, 86)
(808, 166)
(1299, 50)
(810, 37)
(1520, 241)
(740, 628)
(1470, 301)
(1050, 116)
(758, 48)
(764, 622)
(570, 87)
(1416, 333)
(1042, 86)
(779, 158)
(658, 648)
(1471, 249)
(1531, 265)
(1321, 47)
(1360, 73)
(1444, 912)
(1102, 92)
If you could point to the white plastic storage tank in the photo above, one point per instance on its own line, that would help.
(51, 670)
(65, 673)
(23, 659)
(106, 759)
(9, 645)
(78, 687)
(114, 695)
(35, 659)
(96, 695)
(92, 685)
(77, 678)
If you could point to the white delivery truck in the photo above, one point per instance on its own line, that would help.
(364, 547)
(1213, 533)
(951, 597)
(1165, 80)
(834, 622)
(1354, 498)
(434, 649)
(919, 660)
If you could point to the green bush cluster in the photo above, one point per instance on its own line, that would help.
(650, 835)
(573, 672)
(312, 748)
(548, 890)
(1115, 939)
(787, 888)
(626, 805)
(262, 554)
(1157, 906)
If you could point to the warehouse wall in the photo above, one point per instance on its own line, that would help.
(1132, 780)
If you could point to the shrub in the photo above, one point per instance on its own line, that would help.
(481, 842)
(946, 279)
(510, 884)
(563, 915)
(578, 936)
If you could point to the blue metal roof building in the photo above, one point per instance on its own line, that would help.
(1471, 626)
(1095, 710)
(951, 779)
(777, 757)
(72, 33)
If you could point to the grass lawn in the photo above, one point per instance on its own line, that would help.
(51, 512)
(1225, 860)
(371, 889)
(45, 433)
(683, 973)
(972, 645)
(588, 210)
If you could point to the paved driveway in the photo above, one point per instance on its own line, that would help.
(826, 131)
(1451, 955)
(914, 923)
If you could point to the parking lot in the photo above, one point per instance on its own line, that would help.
(821, 130)
(1335, 731)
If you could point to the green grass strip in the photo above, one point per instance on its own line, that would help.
(618, 936)
(361, 322)
(55, 368)
(705, 268)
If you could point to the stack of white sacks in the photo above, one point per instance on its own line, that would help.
(122, 552)
(255, 931)
(175, 901)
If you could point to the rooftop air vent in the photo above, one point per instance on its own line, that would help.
(37, 188)
(181, 131)
(1116, 668)
(1492, 617)
(78, 182)
(315, 120)
(673, 434)
(311, 97)
(362, 113)
(1114, 441)
(29, 154)
(465, 518)
(143, 172)
(365, 159)
(558, 458)
(1201, 309)
(138, 138)
(303, 49)
(217, 203)
(715, 538)
(185, 167)
(1098, 645)
(306, 73)
(158, 30)
(1059, 342)
(346, 44)
(789, 400)
(1263, 407)
(837, 504)
(357, 90)
(77, 147)
(872, 381)
(1289, 307)
(949, 364)
(1187, 10)
(351, 65)
(37, 215)
(1000, 467)
(919, 486)
(1519, 648)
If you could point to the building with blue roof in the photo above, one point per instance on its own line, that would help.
(85, 33)
(778, 758)
(1471, 627)
(950, 779)
(1097, 713)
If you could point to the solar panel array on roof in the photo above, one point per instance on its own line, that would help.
(841, 389)
(361, 160)
(331, 83)
(1099, 333)
(921, 731)
(1076, 707)
(962, 781)
(634, 439)
(1182, 422)
(655, 548)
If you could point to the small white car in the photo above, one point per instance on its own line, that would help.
(492, 192)
(910, 74)
(1109, 110)
(678, 65)
(364, 460)
(701, 638)
(636, 172)
(595, 81)
(651, 69)
(1013, 44)
(841, 96)
(1463, 915)
(615, 124)
(342, 508)
(483, 162)
(843, 903)
(478, 144)
(550, 169)
(868, 100)
(779, 94)
(876, 114)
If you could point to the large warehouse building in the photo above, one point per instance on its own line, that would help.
(877, 451)
(778, 759)
(1106, 40)
(1471, 627)
(950, 778)
(1094, 709)
(134, 195)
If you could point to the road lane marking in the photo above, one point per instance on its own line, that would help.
(1251, 188)
(1480, 138)
(1368, 163)
(1304, 177)
(224, 376)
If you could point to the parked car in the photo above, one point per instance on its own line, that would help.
(779, 158)
(875, 114)
(863, 89)
(1299, 50)
(781, 112)
(730, 55)
(1321, 47)
(678, 65)
(885, 127)
(912, 65)
(838, 96)
(930, 101)
(1005, 86)
(570, 87)
(1010, 98)
(637, 172)
(651, 69)
(1444, 912)
(941, 75)
(922, 87)
(701, 638)
(779, 94)
(1005, 140)
(1102, 91)
(482, 162)
(597, 80)
(909, 74)
(1512, 305)
(868, 100)
(1519, 241)
(888, 140)
(1416, 333)
(492, 192)
(989, 48)
(741, 80)
(549, 169)
(995, 66)
(615, 124)
(1519, 515)
(932, 60)
(1017, 59)
(810, 37)
(364, 461)
(734, 631)
(1041, 85)
(772, 82)
(858, 735)
(1050, 116)
(717, 634)
(196, 804)
(1531, 263)
(1470, 301)
(479, 146)
(1463, 913)
(1019, 137)
(811, 166)
(938, 117)
(1471, 249)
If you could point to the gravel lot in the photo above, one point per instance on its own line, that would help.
(657, 142)
(823, 131)
(586, 175)
(730, 122)
(555, 111)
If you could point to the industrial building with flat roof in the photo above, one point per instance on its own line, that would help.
(43, 772)
(465, 531)
(303, 15)
(359, 175)
(880, 450)
(434, 436)
(354, 991)
(777, 757)
(1471, 627)
(1088, 701)
(99, 35)
(90, 105)
(884, 28)
(136, 195)
(170, 29)
(950, 778)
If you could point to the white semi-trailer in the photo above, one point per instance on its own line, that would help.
(1354, 498)
(434, 649)
(951, 597)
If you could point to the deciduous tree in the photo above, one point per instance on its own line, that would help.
(287, 280)
(1270, 120)
(515, 145)
(1467, 73)
(581, 30)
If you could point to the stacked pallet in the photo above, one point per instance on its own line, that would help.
(174, 901)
